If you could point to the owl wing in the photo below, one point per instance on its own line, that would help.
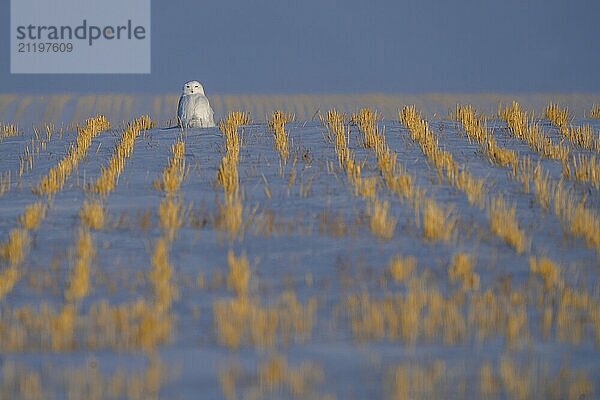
(211, 116)
(183, 110)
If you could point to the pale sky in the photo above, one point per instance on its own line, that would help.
(349, 46)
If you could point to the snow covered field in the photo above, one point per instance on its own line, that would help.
(322, 269)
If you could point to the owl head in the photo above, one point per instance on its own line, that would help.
(193, 87)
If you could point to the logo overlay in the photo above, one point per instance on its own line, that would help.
(80, 37)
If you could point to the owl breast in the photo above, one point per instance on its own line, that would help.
(194, 111)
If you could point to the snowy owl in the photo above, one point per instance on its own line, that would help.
(194, 110)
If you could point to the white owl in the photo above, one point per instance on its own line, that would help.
(194, 111)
